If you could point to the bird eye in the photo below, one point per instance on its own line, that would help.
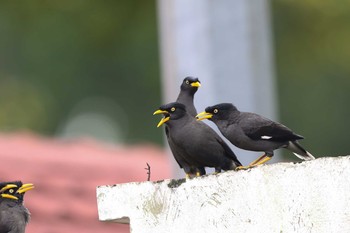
(172, 109)
(216, 110)
(11, 190)
(187, 82)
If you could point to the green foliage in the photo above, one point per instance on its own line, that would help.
(72, 50)
(312, 54)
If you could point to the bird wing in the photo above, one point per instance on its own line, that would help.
(257, 127)
(212, 146)
(228, 152)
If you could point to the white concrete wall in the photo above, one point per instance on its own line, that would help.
(312, 196)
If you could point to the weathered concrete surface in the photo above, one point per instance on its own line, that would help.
(312, 196)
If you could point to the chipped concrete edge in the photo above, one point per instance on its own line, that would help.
(152, 204)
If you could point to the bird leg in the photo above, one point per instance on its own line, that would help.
(188, 176)
(198, 173)
(261, 160)
(217, 170)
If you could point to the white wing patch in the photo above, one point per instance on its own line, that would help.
(266, 137)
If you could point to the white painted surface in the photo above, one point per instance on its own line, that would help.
(313, 196)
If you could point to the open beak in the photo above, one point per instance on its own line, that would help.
(25, 187)
(9, 186)
(9, 196)
(204, 115)
(196, 84)
(163, 120)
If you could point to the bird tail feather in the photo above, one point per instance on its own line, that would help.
(299, 151)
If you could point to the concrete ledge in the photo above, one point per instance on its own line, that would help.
(312, 196)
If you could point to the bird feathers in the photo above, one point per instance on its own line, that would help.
(257, 127)
(195, 141)
(253, 132)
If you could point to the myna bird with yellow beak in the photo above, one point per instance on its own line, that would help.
(188, 88)
(250, 131)
(13, 215)
(196, 144)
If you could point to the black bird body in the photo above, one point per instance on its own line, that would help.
(181, 159)
(198, 144)
(188, 88)
(253, 132)
(13, 215)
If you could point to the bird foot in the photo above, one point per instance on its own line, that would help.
(244, 167)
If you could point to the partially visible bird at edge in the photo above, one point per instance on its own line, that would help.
(14, 216)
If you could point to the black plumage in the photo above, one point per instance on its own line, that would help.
(197, 143)
(13, 215)
(188, 88)
(253, 132)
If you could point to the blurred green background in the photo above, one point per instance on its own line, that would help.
(73, 68)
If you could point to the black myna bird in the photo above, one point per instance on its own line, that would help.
(188, 88)
(13, 215)
(250, 131)
(197, 143)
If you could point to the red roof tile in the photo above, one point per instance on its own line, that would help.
(66, 173)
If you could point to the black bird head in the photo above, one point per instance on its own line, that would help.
(190, 85)
(14, 190)
(171, 111)
(217, 112)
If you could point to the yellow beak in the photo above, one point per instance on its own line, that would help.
(196, 84)
(160, 112)
(204, 115)
(9, 196)
(9, 186)
(162, 121)
(25, 187)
